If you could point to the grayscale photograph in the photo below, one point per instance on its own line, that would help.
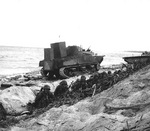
(74, 65)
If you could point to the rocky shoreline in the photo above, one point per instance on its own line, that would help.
(118, 108)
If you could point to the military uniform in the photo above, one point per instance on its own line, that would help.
(76, 85)
(61, 89)
(84, 88)
(44, 97)
(2, 112)
(79, 86)
(110, 78)
(83, 83)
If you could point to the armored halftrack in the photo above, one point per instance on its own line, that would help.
(64, 62)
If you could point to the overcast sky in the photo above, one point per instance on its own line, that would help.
(104, 25)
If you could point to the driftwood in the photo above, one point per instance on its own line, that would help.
(133, 107)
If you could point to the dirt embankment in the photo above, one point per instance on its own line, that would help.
(123, 107)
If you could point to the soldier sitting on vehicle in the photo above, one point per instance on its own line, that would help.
(61, 89)
(44, 97)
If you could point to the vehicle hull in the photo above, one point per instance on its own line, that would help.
(137, 59)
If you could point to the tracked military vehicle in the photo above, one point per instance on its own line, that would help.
(143, 58)
(137, 62)
(64, 62)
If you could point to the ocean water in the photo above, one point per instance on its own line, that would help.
(116, 57)
(15, 60)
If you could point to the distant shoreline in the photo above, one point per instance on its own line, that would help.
(135, 51)
(21, 47)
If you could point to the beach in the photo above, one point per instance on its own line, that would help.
(118, 108)
(124, 106)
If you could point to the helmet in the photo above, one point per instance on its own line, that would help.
(46, 87)
(96, 75)
(109, 72)
(83, 78)
(63, 83)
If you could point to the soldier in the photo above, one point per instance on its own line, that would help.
(90, 81)
(79, 84)
(2, 112)
(104, 82)
(61, 89)
(84, 88)
(83, 83)
(130, 68)
(116, 77)
(110, 78)
(96, 77)
(44, 97)
(76, 85)
(98, 86)
(93, 79)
